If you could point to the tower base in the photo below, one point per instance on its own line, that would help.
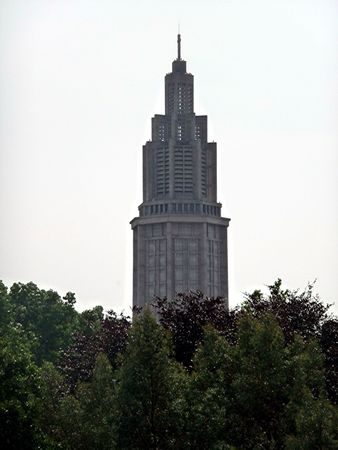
(177, 253)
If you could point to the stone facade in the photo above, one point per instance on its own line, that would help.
(180, 238)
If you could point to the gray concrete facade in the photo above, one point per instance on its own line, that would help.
(180, 238)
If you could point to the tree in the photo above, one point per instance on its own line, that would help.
(329, 344)
(17, 381)
(49, 397)
(186, 315)
(98, 406)
(87, 418)
(259, 386)
(82, 420)
(49, 320)
(297, 312)
(6, 314)
(315, 427)
(254, 377)
(110, 336)
(148, 392)
(311, 422)
(209, 393)
(17, 389)
(258, 392)
(301, 313)
(91, 320)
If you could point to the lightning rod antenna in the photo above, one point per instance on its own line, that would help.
(179, 43)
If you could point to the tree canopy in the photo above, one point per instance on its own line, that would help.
(184, 373)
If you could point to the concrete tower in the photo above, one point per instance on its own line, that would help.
(180, 238)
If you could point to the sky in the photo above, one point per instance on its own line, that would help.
(79, 83)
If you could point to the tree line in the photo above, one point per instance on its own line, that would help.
(183, 373)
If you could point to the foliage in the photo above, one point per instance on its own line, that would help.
(264, 375)
(301, 313)
(91, 320)
(48, 399)
(259, 388)
(329, 344)
(259, 392)
(77, 361)
(296, 312)
(48, 319)
(17, 387)
(86, 419)
(82, 420)
(17, 381)
(187, 314)
(6, 316)
(316, 426)
(149, 382)
(209, 392)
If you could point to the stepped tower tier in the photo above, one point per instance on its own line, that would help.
(180, 238)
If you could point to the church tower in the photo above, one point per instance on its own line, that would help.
(180, 238)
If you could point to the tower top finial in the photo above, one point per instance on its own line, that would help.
(179, 43)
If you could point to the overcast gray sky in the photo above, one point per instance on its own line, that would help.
(79, 83)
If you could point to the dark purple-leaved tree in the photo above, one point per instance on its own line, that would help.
(109, 337)
(298, 313)
(186, 315)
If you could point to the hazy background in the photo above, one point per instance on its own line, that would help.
(79, 83)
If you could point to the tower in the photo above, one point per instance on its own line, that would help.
(179, 238)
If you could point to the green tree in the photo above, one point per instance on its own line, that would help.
(315, 426)
(83, 420)
(50, 395)
(18, 382)
(98, 407)
(17, 391)
(6, 314)
(91, 320)
(209, 393)
(48, 319)
(311, 421)
(149, 398)
(258, 387)
(86, 419)
(277, 390)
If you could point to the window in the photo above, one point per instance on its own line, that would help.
(180, 102)
(179, 132)
(161, 133)
(162, 170)
(183, 169)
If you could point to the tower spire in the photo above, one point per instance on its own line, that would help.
(179, 44)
